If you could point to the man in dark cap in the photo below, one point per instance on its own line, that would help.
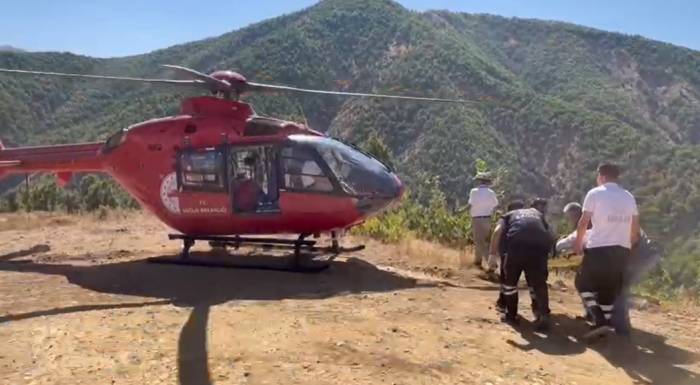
(527, 240)
(516, 204)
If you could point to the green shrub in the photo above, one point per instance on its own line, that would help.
(432, 222)
(89, 193)
(390, 227)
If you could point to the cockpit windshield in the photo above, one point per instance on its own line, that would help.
(357, 173)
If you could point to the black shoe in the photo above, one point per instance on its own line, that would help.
(586, 317)
(589, 318)
(598, 331)
(491, 276)
(501, 308)
(542, 323)
(623, 331)
(510, 320)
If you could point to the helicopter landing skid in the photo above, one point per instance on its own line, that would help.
(301, 261)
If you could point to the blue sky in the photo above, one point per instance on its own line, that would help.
(106, 28)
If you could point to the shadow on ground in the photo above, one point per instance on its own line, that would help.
(201, 288)
(644, 356)
(36, 249)
(647, 358)
(193, 285)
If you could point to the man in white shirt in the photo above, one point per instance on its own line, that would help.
(482, 202)
(613, 212)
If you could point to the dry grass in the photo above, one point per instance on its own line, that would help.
(39, 219)
(565, 267)
(420, 252)
(569, 263)
(84, 308)
(420, 256)
(417, 253)
(683, 303)
(27, 221)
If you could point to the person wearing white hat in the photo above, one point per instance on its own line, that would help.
(482, 202)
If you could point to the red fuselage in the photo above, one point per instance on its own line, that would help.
(184, 170)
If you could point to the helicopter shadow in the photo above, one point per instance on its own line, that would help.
(194, 285)
(202, 287)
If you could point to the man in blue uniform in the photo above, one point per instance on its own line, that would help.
(514, 205)
(528, 241)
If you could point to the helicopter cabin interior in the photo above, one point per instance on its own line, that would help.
(254, 175)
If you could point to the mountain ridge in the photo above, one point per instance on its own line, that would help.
(565, 98)
(566, 24)
(10, 48)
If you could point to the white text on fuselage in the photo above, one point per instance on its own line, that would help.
(205, 210)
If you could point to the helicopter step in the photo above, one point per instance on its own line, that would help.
(302, 259)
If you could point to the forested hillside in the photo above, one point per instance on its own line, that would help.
(558, 99)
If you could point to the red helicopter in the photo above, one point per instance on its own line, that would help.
(217, 171)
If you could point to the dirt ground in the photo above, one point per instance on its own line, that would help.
(79, 305)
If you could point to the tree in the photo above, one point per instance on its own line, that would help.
(376, 147)
(9, 203)
(71, 201)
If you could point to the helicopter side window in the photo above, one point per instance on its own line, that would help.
(302, 171)
(252, 186)
(202, 170)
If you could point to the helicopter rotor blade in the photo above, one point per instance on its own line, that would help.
(200, 80)
(272, 87)
(197, 83)
(214, 83)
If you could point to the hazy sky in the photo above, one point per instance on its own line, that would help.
(116, 28)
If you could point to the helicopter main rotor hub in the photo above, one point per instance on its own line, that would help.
(237, 82)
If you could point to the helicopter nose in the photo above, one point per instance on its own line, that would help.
(387, 190)
(399, 187)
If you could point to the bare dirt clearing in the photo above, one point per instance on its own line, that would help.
(79, 305)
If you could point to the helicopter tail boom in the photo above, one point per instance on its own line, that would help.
(60, 159)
